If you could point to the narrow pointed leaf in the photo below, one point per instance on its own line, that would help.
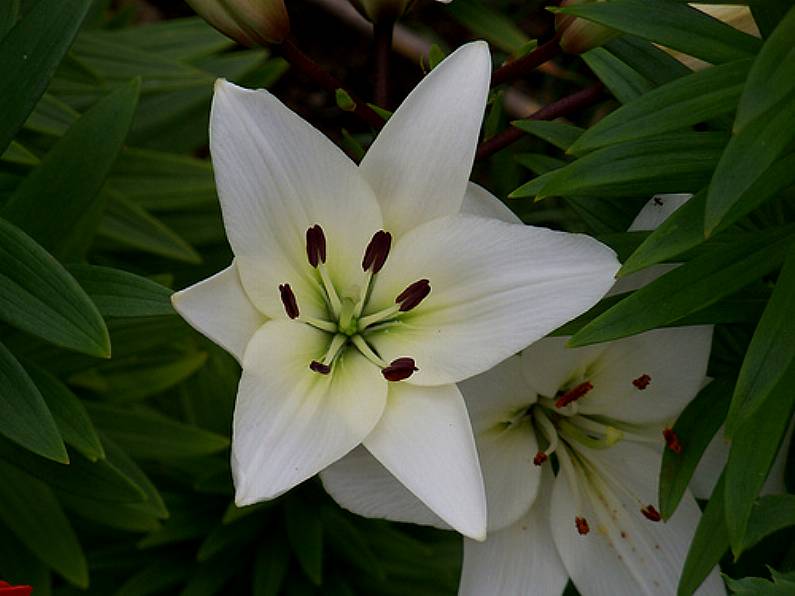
(32, 512)
(559, 134)
(39, 296)
(654, 63)
(623, 81)
(67, 183)
(270, 568)
(305, 534)
(770, 514)
(118, 293)
(24, 416)
(29, 55)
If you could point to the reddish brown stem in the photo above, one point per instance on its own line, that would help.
(562, 107)
(327, 81)
(382, 50)
(524, 65)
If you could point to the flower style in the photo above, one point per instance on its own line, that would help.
(603, 413)
(359, 296)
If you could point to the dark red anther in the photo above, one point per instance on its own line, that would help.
(642, 382)
(315, 245)
(650, 513)
(319, 367)
(377, 251)
(288, 299)
(573, 394)
(672, 440)
(582, 525)
(399, 369)
(540, 458)
(413, 295)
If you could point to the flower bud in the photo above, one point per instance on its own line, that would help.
(580, 35)
(384, 10)
(248, 22)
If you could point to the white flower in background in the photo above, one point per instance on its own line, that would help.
(359, 296)
(603, 414)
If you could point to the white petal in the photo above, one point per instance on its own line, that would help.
(219, 308)
(360, 484)
(657, 210)
(420, 162)
(548, 365)
(290, 422)
(479, 201)
(624, 553)
(276, 177)
(494, 399)
(518, 560)
(425, 440)
(495, 288)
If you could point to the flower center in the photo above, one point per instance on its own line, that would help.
(344, 322)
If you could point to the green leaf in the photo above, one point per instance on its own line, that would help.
(158, 577)
(123, 464)
(754, 447)
(51, 116)
(348, 542)
(131, 517)
(270, 568)
(695, 427)
(676, 162)
(782, 585)
(24, 416)
(748, 156)
(684, 102)
(624, 82)
(32, 512)
(768, 14)
(146, 434)
(655, 64)
(224, 538)
(118, 293)
(20, 566)
(29, 55)
(67, 183)
(672, 24)
(539, 163)
(559, 134)
(489, 24)
(69, 413)
(693, 286)
(305, 534)
(772, 77)
(770, 514)
(38, 296)
(9, 12)
(771, 352)
(18, 154)
(710, 542)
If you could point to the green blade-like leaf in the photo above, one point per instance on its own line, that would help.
(270, 568)
(672, 163)
(671, 24)
(305, 534)
(647, 59)
(39, 296)
(710, 542)
(24, 416)
(681, 103)
(623, 81)
(559, 134)
(32, 512)
(695, 427)
(9, 12)
(66, 185)
(488, 23)
(693, 286)
(770, 514)
(69, 413)
(29, 55)
(118, 293)
(753, 450)
(772, 77)
(771, 353)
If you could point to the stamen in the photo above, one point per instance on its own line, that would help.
(650, 513)
(335, 348)
(315, 245)
(377, 251)
(540, 458)
(547, 429)
(399, 369)
(573, 394)
(573, 432)
(366, 351)
(288, 300)
(331, 293)
(319, 367)
(642, 382)
(582, 525)
(413, 295)
(377, 317)
(672, 440)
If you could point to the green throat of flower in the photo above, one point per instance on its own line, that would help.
(345, 324)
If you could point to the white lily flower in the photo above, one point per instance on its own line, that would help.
(604, 414)
(359, 296)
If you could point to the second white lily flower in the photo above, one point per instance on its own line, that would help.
(359, 296)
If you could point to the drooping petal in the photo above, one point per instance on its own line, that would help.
(519, 559)
(624, 553)
(290, 422)
(360, 484)
(276, 177)
(479, 201)
(219, 308)
(425, 440)
(495, 288)
(420, 162)
(657, 210)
